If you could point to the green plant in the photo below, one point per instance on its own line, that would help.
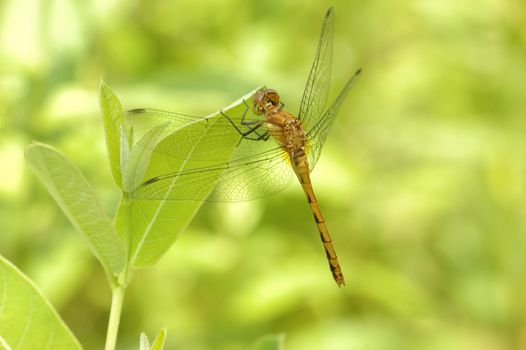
(141, 232)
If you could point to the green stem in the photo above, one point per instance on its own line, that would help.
(117, 298)
(118, 285)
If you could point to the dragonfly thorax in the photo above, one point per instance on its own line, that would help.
(287, 130)
(266, 101)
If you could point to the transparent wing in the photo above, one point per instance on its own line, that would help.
(215, 133)
(318, 133)
(317, 89)
(245, 178)
(197, 154)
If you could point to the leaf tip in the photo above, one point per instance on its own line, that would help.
(102, 84)
(32, 147)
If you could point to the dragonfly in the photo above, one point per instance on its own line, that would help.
(272, 146)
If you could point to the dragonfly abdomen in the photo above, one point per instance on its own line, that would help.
(300, 165)
(325, 237)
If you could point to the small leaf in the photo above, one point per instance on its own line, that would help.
(144, 342)
(269, 342)
(111, 109)
(158, 343)
(27, 320)
(77, 199)
(138, 159)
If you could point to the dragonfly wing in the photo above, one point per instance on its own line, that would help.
(318, 133)
(229, 149)
(317, 89)
(244, 178)
(226, 129)
(255, 177)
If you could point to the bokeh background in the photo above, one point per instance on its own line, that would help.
(422, 180)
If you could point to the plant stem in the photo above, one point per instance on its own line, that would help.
(117, 298)
(118, 285)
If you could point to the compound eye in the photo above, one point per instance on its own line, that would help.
(273, 98)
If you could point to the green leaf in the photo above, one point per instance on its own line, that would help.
(111, 109)
(269, 342)
(27, 320)
(144, 342)
(77, 199)
(158, 343)
(139, 158)
(125, 145)
(155, 224)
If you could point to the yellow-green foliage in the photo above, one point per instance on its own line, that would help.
(422, 179)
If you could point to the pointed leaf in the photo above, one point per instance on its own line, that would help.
(155, 224)
(139, 158)
(27, 320)
(111, 108)
(144, 342)
(158, 343)
(77, 199)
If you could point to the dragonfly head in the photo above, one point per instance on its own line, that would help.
(265, 100)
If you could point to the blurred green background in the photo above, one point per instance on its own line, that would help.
(422, 180)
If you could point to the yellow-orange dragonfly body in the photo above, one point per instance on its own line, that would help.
(288, 132)
(257, 168)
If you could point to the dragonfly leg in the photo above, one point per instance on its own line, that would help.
(254, 130)
(265, 136)
(249, 122)
(253, 126)
(246, 105)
